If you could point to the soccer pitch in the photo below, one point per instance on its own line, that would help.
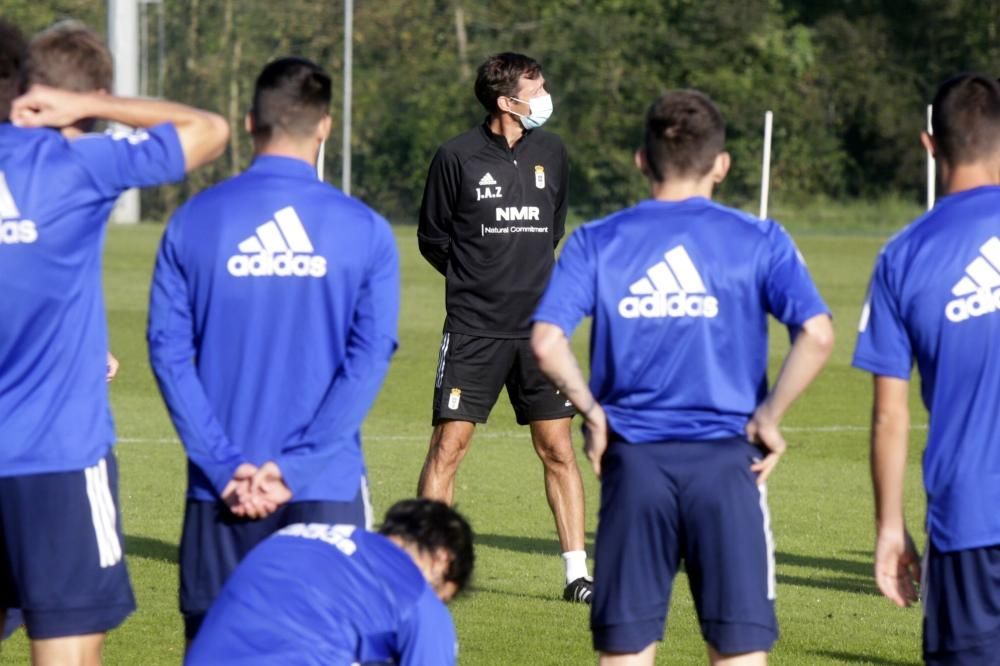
(828, 606)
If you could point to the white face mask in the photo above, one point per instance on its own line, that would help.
(540, 108)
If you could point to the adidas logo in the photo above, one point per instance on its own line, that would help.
(13, 230)
(671, 288)
(977, 291)
(281, 248)
(487, 180)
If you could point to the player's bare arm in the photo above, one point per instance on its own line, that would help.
(203, 134)
(897, 564)
(808, 355)
(556, 359)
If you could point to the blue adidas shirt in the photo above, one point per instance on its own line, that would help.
(935, 297)
(272, 320)
(326, 594)
(55, 198)
(679, 293)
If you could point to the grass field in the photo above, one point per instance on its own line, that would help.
(820, 499)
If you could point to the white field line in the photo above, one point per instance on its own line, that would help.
(516, 434)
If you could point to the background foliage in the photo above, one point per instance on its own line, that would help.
(848, 81)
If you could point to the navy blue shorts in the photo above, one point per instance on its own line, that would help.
(12, 621)
(214, 542)
(961, 597)
(61, 558)
(696, 502)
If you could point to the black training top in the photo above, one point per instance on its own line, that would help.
(490, 220)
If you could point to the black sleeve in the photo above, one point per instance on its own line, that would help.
(562, 201)
(436, 209)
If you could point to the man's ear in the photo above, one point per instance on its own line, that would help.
(323, 129)
(721, 167)
(928, 142)
(503, 103)
(642, 162)
(248, 124)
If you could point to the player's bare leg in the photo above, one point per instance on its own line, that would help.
(563, 485)
(644, 658)
(68, 651)
(449, 444)
(745, 659)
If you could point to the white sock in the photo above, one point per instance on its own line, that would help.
(576, 564)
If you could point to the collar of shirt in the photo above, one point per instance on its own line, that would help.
(283, 166)
(500, 140)
(674, 203)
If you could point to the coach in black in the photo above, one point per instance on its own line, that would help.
(494, 209)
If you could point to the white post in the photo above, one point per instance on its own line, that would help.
(348, 86)
(765, 169)
(320, 159)
(123, 39)
(931, 167)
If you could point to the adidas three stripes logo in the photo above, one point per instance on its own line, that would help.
(978, 291)
(672, 287)
(279, 248)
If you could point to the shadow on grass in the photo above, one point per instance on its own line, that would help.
(150, 548)
(555, 596)
(852, 585)
(851, 575)
(861, 568)
(852, 658)
(856, 575)
(529, 545)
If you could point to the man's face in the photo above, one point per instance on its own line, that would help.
(527, 89)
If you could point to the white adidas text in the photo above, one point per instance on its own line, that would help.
(284, 264)
(983, 302)
(23, 231)
(668, 305)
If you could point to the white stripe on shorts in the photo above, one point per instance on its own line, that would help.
(366, 500)
(925, 560)
(108, 502)
(102, 514)
(441, 356)
(772, 587)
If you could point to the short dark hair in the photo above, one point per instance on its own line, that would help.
(13, 51)
(291, 96)
(498, 77)
(966, 119)
(71, 56)
(684, 133)
(431, 525)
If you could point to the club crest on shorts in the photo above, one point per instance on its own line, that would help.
(454, 398)
(540, 176)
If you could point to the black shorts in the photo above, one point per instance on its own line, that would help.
(61, 555)
(214, 542)
(472, 370)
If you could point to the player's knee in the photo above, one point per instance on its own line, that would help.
(557, 455)
(448, 450)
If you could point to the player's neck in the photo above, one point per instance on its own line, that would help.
(678, 190)
(307, 151)
(969, 176)
(508, 127)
